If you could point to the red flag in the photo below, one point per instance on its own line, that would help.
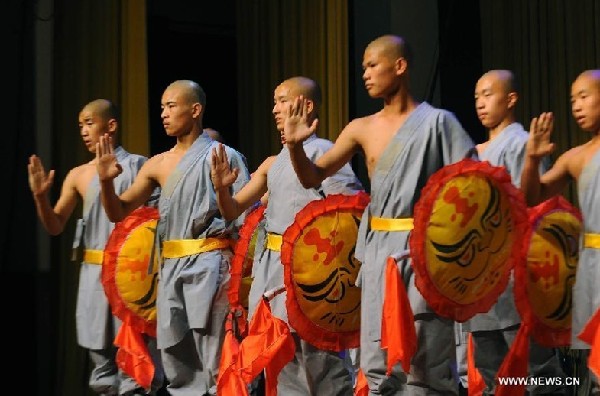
(398, 333)
(475, 381)
(591, 335)
(362, 386)
(268, 346)
(133, 356)
(515, 364)
(229, 381)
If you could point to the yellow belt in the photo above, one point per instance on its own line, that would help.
(274, 242)
(382, 224)
(93, 256)
(591, 240)
(187, 247)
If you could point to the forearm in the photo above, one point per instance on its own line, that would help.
(309, 175)
(531, 185)
(110, 201)
(50, 220)
(228, 206)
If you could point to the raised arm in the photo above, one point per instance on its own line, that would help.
(223, 177)
(538, 188)
(52, 218)
(297, 130)
(118, 207)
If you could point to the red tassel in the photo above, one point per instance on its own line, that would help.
(475, 381)
(268, 346)
(398, 333)
(591, 335)
(229, 381)
(515, 364)
(362, 386)
(133, 356)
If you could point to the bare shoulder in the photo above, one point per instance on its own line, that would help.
(158, 167)
(157, 159)
(575, 159)
(83, 172)
(80, 177)
(361, 123)
(264, 167)
(359, 128)
(269, 161)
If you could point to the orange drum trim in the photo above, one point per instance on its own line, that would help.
(129, 287)
(545, 275)
(323, 304)
(469, 224)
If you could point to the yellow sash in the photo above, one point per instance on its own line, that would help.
(383, 224)
(274, 242)
(186, 247)
(591, 240)
(93, 256)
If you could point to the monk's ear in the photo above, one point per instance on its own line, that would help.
(197, 109)
(113, 124)
(513, 97)
(401, 65)
(311, 105)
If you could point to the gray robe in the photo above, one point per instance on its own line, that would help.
(586, 297)
(429, 139)
(286, 198)
(188, 210)
(508, 150)
(312, 372)
(192, 290)
(96, 326)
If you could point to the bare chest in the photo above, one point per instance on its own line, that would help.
(583, 158)
(84, 177)
(165, 165)
(375, 142)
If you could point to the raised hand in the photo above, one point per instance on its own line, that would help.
(221, 174)
(106, 161)
(296, 128)
(540, 130)
(39, 181)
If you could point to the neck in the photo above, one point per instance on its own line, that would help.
(495, 131)
(400, 103)
(184, 142)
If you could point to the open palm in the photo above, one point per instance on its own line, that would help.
(221, 173)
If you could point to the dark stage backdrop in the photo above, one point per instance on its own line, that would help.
(61, 53)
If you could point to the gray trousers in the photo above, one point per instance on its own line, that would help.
(431, 369)
(107, 379)
(492, 346)
(589, 384)
(314, 372)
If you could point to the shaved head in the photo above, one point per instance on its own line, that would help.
(190, 91)
(592, 75)
(392, 47)
(306, 87)
(505, 78)
(103, 108)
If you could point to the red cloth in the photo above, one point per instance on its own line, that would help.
(398, 333)
(133, 356)
(475, 381)
(268, 346)
(229, 381)
(515, 364)
(362, 386)
(591, 335)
